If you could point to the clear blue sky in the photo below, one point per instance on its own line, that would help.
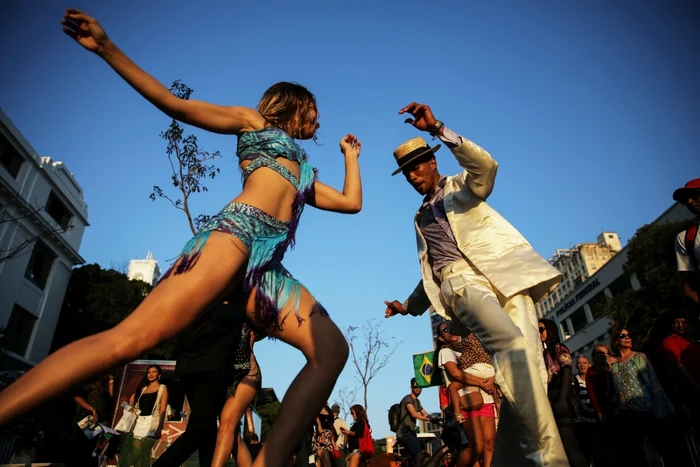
(591, 109)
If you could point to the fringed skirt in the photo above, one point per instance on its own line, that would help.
(262, 234)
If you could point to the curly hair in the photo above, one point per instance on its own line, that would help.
(289, 106)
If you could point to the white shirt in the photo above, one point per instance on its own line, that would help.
(683, 258)
(447, 355)
(339, 423)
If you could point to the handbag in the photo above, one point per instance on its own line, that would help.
(143, 427)
(471, 400)
(367, 443)
(335, 452)
(128, 420)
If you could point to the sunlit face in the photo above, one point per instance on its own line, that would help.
(416, 390)
(680, 326)
(543, 332)
(308, 130)
(582, 364)
(152, 374)
(445, 335)
(422, 176)
(624, 339)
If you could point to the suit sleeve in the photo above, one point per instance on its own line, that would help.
(418, 301)
(479, 166)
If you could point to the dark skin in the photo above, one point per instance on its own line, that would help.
(422, 174)
(691, 279)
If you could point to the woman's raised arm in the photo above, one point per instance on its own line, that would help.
(215, 118)
(350, 200)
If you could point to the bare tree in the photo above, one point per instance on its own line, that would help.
(120, 266)
(188, 164)
(370, 354)
(346, 398)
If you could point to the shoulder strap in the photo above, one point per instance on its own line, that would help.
(690, 236)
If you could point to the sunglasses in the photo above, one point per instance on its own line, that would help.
(542, 330)
(623, 335)
(416, 387)
(445, 330)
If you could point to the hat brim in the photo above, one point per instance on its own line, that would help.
(416, 156)
(682, 194)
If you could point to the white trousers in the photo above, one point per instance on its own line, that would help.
(527, 433)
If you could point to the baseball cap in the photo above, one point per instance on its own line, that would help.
(688, 191)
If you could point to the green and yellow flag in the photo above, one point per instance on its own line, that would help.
(423, 368)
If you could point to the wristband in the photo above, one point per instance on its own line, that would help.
(435, 130)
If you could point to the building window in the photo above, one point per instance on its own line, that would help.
(10, 159)
(58, 211)
(40, 264)
(578, 320)
(598, 304)
(19, 330)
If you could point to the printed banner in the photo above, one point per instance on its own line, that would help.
(423, 368)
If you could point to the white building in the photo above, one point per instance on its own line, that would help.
(579, 316)
(146, 270)
(42, 220)
(577, 264)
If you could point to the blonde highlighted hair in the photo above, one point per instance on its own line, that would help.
(289, 106)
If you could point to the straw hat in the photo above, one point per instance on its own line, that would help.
(411, 150)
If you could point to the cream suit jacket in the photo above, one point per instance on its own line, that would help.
(483, 236)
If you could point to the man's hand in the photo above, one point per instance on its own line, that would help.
(394, 308)
(423, 117)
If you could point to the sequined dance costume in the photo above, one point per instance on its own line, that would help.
(266, 237)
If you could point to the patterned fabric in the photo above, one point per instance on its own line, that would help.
(267, 238)
(587, 413)
(562, 358)
(574, 409)
(244, 363)
(323, 441)
(472, 352)
(637, 387)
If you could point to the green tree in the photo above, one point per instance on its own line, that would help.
(651, 259)
(268, 414)
(96, 300)
(188, 164)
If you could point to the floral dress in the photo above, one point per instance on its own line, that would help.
(637, 387)
(555, 364)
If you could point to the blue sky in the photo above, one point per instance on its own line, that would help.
(590, 108)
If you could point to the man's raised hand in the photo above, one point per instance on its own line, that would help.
(393, 308)
(423, 117)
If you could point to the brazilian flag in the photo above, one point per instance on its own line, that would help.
(423, 368)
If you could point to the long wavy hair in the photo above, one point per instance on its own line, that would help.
(552, 336)
(144, 381)
(289, 106)
(360, 412)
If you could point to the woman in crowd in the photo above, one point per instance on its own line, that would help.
(247, 381)
(639, 399)
(562, 397)
(151, 398)
(356, 432)
(479, 422)
(324, 437)
(239, 249)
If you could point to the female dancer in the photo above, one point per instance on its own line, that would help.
(240, 248)
(247, 381)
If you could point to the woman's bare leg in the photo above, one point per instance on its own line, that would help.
(326, 352)
(229, 432)
(355, 460)
(488, 430)
(166, 311)
(470, 456)
(325, 458)
(453, 389)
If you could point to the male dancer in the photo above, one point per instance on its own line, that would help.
(478, 269)
(205, 368)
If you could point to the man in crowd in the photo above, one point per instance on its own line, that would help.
(410, 411)
(340, 440)
(688, 241)
(478, 270)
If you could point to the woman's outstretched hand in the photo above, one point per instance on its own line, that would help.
(85, 30)
(350, 145)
